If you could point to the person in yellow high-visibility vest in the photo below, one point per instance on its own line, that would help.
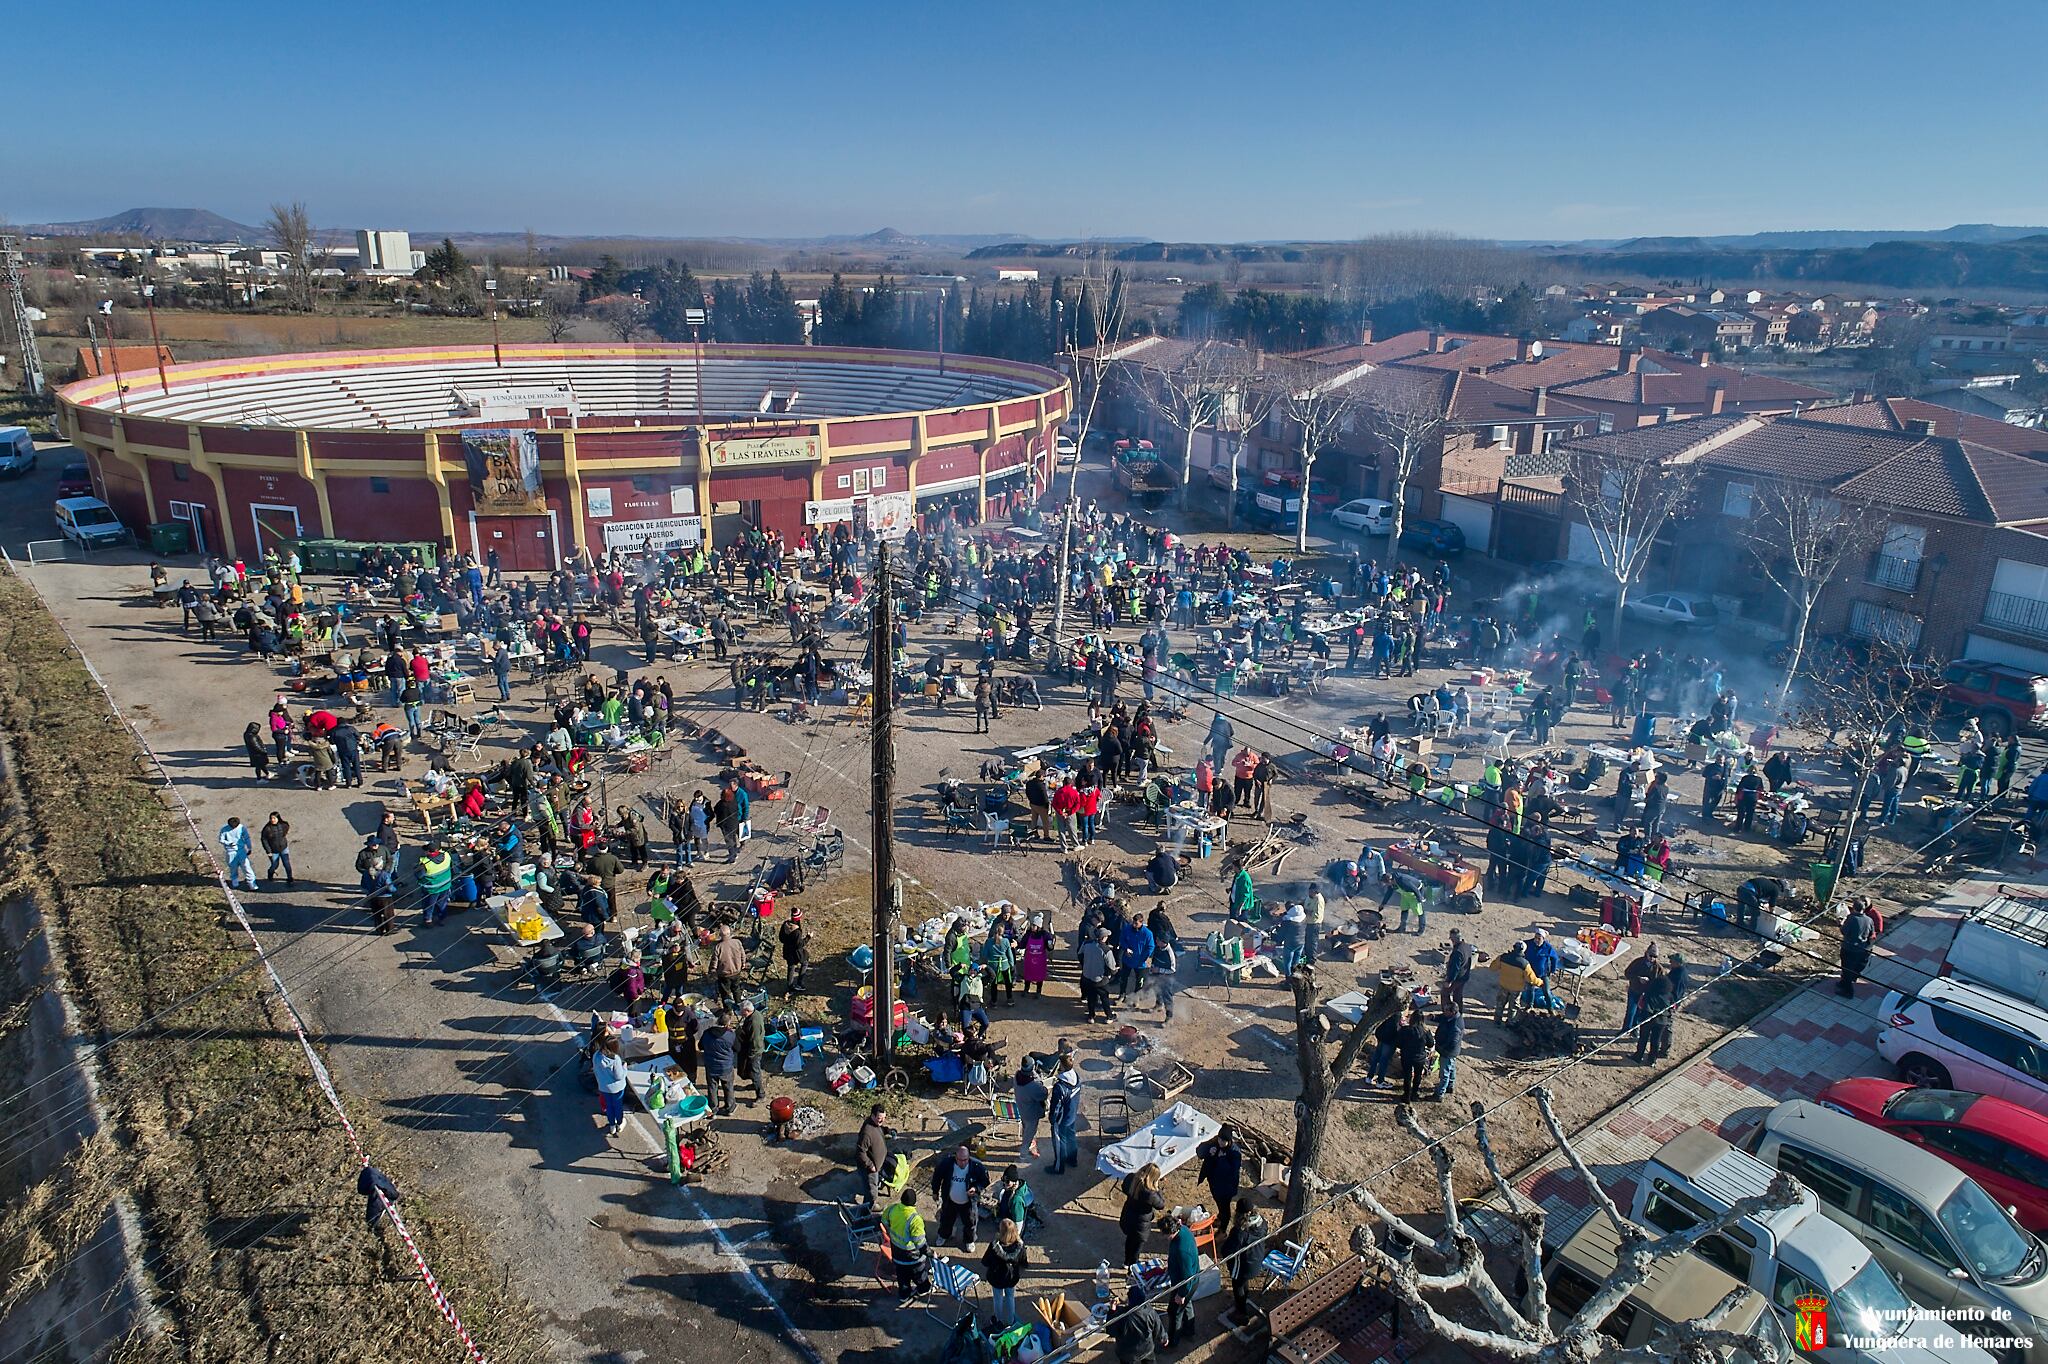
(904, 1226)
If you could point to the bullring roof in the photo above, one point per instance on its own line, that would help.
(657, 384)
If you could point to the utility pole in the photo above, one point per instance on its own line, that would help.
(156, 342)
(882, 753)
(24, 330)
(114, 351)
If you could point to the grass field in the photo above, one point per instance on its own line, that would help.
(242, 1177)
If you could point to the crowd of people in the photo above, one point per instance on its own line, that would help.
(763, 609)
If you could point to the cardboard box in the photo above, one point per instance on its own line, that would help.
(446, 623)
(1063, 1316)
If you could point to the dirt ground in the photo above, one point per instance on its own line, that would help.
(239, 1172)
(473, 1079)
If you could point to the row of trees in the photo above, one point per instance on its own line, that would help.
(1275, 321)
(1799, 535)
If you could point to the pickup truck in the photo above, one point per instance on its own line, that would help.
(1793, 1254)
(1139, 471)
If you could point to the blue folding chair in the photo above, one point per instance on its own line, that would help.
(956, 1281)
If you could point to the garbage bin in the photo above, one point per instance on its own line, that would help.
(1823, 874)
(167, 538)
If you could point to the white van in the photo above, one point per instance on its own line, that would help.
(17, 450)
(1950, 1245)
(2004, 945)
(89, 522)
(1791, 1254)
(1371, 515)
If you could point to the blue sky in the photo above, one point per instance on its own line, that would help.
(1190, 121)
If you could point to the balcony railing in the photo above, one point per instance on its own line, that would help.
(1900, 575)
(2021, 615)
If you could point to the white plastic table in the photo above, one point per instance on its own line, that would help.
(1156, 1143)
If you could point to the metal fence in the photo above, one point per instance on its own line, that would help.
(42, 551)
(1887, 570)
(2021, 615)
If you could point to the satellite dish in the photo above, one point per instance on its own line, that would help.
(1535, 350)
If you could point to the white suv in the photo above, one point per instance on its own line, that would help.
(1956, 1034)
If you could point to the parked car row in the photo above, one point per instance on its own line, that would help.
(1922, 1200)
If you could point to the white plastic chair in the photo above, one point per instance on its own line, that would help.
(998, 831)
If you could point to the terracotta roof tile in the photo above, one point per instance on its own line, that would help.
(1930, 474)
(1892, 414)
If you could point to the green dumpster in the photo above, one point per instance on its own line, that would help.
(1823, 874)
(325, 556)
(167, 538)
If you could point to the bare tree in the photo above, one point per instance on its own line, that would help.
(622, 315)
(1800, 536)
(1625, 499)
(1101, 303)
(291, 232)
(1864, 700)
(1188, 394)
(1249, 395)
(1322, 1076)
(1320, 403)
(1522, 1326)
(1408, 419)
(558, 315)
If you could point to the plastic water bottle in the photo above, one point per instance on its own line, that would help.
(1102, 1288)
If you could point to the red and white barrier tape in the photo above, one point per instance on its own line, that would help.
(319, 1068)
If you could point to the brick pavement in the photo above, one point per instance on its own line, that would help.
(1811, 1039)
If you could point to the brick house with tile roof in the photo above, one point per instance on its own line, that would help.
(1899, 414)
(1659, 386)
(1960, 571)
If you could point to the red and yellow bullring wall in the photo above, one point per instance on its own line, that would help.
(245, 486)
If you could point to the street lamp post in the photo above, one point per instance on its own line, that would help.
(491, 297)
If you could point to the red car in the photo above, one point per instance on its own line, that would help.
(2002, 698)
(75, 480)
(2001, 1145)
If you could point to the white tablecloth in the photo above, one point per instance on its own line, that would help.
(1156, 1142)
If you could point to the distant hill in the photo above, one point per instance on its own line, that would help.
(1978, 233)
(2018, 264)
(1821, 239)
(156, 224)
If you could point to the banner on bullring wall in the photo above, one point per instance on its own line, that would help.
(751, 451)
(504, 472)
(890, 515)
(654, 533)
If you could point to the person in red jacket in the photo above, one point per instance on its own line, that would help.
(1066, 806)
(1091, 810)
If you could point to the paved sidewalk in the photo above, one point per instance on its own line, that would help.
(1811, 1039)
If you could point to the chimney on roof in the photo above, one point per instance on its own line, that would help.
(1921, 426)
(1704, 356)
(1861, 395)
(1716, 395)
(1631, 357)
(1542, 398)
(1668, 415)
(1436, 342)
(1365, 332)
(1525, 349)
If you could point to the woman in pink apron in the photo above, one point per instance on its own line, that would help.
(1037, 955)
